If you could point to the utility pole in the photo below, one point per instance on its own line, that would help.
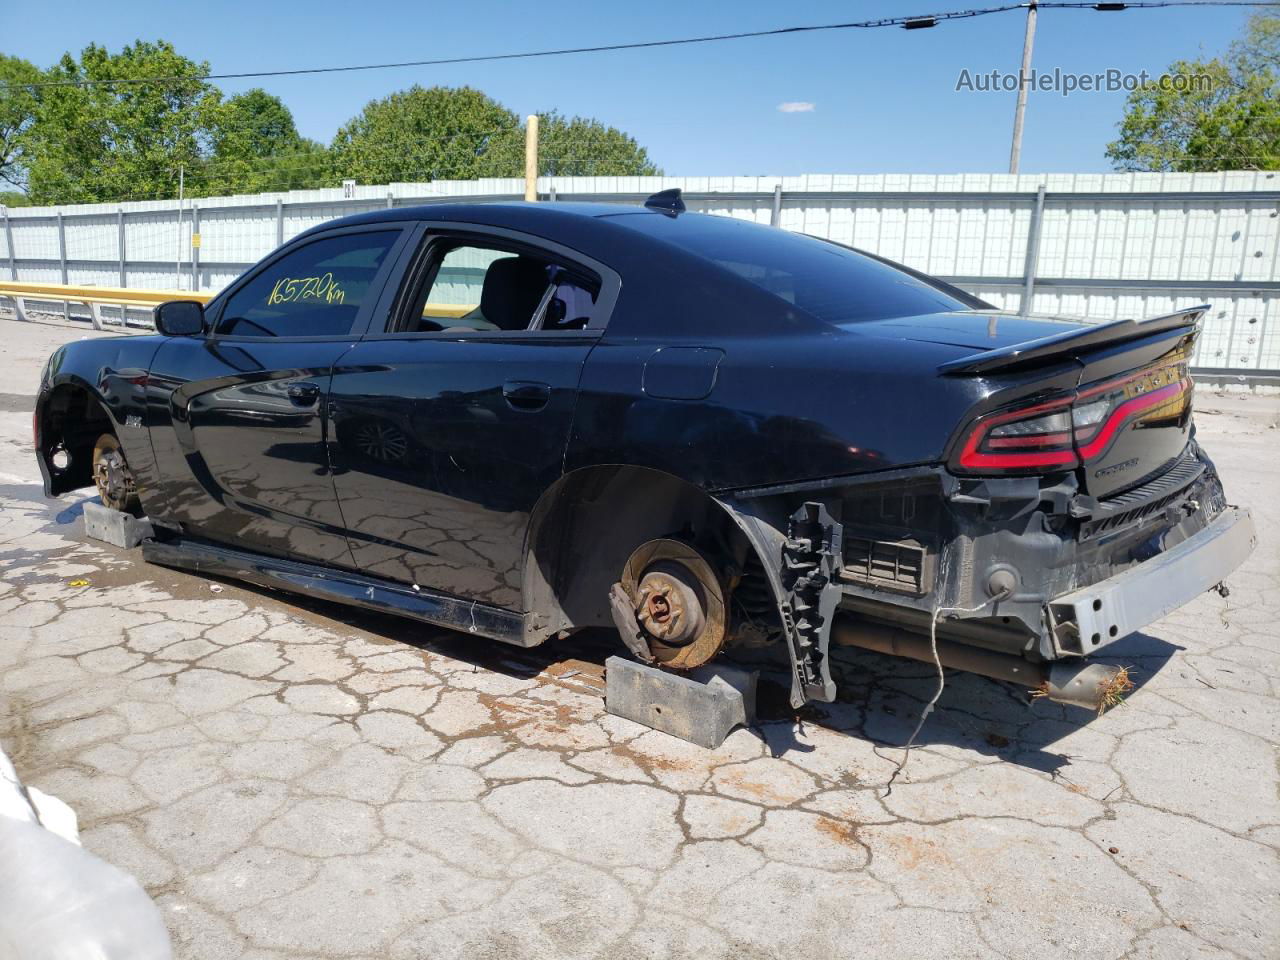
(531, 158)
(1024, 78)
(177, 262)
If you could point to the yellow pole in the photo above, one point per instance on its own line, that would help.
(531, 158)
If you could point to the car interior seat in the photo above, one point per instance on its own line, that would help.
(513, 288)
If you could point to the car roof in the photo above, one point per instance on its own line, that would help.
(591, 228)
(499, 214)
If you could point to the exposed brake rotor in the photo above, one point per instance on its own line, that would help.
(112, 477)
(678, 602)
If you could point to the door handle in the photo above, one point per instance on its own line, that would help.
(526, 394)
(304, 394)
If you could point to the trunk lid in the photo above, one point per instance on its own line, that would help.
(975, 330)
(1129, 416)
(1142, 406)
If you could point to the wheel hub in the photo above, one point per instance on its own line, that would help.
(677, 601)
(112, 478)
(668, 605)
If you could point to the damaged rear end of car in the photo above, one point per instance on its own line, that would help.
(1072, 507)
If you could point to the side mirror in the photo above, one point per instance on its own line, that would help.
(180, 318)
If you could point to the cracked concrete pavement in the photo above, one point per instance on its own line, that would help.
(296, 780)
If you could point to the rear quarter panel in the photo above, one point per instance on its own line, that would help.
(781, 409)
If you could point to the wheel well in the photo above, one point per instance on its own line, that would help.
(71, 420)
(584, 529)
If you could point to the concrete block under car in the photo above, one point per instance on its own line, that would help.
(701, 706)
(115, 527)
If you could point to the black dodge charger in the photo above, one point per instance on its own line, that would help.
(520, 420)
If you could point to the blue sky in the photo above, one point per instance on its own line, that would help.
(883, 100)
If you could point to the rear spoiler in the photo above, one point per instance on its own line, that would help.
(1073, 342)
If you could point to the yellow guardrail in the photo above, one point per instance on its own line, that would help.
(447, 309)
(91, 296)
(82, 294)
(95, 297)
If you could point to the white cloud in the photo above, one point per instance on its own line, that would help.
(796, 106)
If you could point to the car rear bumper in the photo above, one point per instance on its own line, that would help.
(1120, 605)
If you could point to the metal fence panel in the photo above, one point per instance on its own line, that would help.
(1105, 245)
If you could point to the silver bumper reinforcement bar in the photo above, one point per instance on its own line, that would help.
(1118, 606)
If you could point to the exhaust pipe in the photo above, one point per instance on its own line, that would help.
(1094, 686)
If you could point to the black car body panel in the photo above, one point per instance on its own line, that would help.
(453, 516)
(112, 373)
(784, 403)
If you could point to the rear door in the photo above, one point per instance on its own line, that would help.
(449, 424)
(238, 416)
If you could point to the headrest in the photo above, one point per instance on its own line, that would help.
(512, 288)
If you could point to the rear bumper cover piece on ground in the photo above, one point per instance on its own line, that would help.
(1118, 606)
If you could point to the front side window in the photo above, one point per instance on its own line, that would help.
(471, 287)
(315, 291)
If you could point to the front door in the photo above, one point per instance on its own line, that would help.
(238, 416)
(447, 428)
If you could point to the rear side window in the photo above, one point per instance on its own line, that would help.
(482, 288)
(833, 283)
(315, 291)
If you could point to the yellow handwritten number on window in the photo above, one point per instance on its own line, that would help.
(310, 289)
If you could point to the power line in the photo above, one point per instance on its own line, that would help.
(912, 22)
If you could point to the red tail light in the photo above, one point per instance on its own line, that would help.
(1070, 430)
(1031, 437)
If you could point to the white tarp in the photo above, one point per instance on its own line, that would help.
(57, 900)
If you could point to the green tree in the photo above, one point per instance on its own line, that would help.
(581, 146)
(255, 147)
(1216, 114)
(1259, 51)
(430, 133)
(304, 166)
(443, 133)
(122, 140)
(117, 141)
(17, 112)
(91, 135)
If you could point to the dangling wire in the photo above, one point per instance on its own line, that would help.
(942, 679)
